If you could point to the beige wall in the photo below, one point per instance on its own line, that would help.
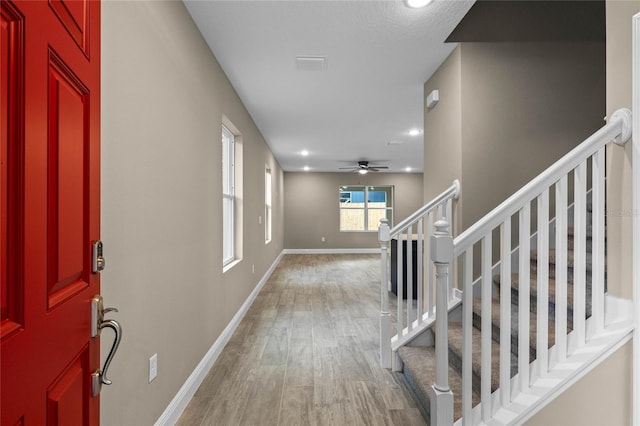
(600, 398)
(311, 207)
(619, 56)
(163, 98)
(443, 132)
(611, 405)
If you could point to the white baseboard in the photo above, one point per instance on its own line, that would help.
(177, 405)
(333, 251)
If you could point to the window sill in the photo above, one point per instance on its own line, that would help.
(230, 265)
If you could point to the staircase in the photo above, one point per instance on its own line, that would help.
(419, 368)
(514, 310)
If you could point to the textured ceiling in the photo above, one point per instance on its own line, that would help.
(378, 56)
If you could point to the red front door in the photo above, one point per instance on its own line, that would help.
(50, 205)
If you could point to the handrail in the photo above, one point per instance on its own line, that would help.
(425, 305)
(452, 192)
(618, 129)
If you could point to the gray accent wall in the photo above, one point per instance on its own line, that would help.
(312, 210)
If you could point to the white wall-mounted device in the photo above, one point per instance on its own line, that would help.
(433, 98)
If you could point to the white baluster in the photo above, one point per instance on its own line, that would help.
(485, 333)
(441, 397)
(410, 278)
(449, 219)
(598, 240)
(420, 277)
(431, 291)
(505, 313)
(542, 338)
(579, 253)
(524, 285)
(561, 271)
(385, 318)
(399, 284)
(467, 334)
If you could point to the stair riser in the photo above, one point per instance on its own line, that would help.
(456, 362)
(421, 398)
(495, 335)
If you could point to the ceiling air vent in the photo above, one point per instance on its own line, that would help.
(311, 63)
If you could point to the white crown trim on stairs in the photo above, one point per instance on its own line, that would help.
(179, 402)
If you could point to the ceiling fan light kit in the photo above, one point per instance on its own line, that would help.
(363, 167)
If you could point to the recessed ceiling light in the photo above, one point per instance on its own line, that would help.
(417, 3)
(407, 169)
(304, 153)
(414, 132)
(306, 168)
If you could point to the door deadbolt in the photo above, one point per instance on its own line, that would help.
(97, 258)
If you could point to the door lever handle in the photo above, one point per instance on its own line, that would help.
(107, 310)
(99, 377)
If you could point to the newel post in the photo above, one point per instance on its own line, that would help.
(384, 236)
(442, 256)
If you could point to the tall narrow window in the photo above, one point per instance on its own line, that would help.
(362, 207)
(228, 196)
(267, 205)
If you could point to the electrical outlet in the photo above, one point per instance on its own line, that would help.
(153, 367)
(324, 239)
(259, 220)
(253, 269)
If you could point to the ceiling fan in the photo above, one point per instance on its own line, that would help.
(363, 167)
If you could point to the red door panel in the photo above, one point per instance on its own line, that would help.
(49, 210)
(65, 397)
(73, 16)
(12, 50)
(67, 199)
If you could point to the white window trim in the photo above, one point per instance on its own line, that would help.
(366, 207)
(268, 205)
(228, 194)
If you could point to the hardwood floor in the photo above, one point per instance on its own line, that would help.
(306, 353)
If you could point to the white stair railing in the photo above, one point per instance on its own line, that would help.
(583, 164)
(410, 320)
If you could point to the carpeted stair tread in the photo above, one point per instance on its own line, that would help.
(420, 372)
(552, 257)
(552, 262)
(455, 355)
(571, 231)
(495, 323)
(570, 262)
(533, 285)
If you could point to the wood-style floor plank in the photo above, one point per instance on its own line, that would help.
(306, 353)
